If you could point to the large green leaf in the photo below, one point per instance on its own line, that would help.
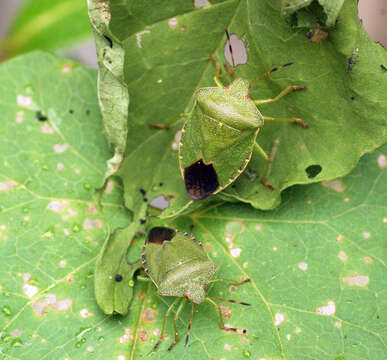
(167, 45)
(316, 262)
(47, 24)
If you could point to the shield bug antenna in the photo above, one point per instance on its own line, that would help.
(178, 265)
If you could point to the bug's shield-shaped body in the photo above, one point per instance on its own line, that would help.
(217, 141)
(177, 263)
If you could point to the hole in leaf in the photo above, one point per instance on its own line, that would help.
(312, 171)
(159, 202)
(200, 180)
(158, 235)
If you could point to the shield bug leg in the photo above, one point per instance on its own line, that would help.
(164, 322)
(285, 91)
(177, 314)
(169, 123)
(268, 73)
(189, 323)
(293, 120)
(220, 317)
(262, 153)
(232, 282)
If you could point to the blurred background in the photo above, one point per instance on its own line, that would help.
(22, 20)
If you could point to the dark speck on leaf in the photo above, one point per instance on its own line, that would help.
(71, 111)
(118, 278)
(161, 184)
(109, 41)
(40, 116)
(383, 67)
(145, 199)
(142, 221)
(352, 98)
(87, 112)
(143, 192)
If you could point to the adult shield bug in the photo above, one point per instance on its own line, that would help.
(178, 265)
(219, 137)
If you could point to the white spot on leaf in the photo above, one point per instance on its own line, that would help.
(127, 336)
(62, 305)
(60, 148)
(342, 256)
(24, 101)
(258, 227)
(340, 238)
(19, 117)
(366, 235)
(328, 309)
(227, 347)
(279, 319)
(245, 264)
(338, 324)
(334, 185)
(175, 144)
(201, 3)
(172, 23)
(46, 129)
(382, 161)
(303, 266)
(110, 186)
(7, 185)
(66, 69)
(57, 206)
(30, 290)
(357, 280)
(89, 224)
(236, 252)
(60, 166)
(16, 333)
(85, 313)
(62, 263)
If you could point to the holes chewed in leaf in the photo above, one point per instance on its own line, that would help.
(200, 180)
(160, 234)
(313, 170)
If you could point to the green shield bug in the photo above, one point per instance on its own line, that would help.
(219, 137)
(178, 265)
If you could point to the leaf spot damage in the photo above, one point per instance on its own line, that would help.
(366, 235)
(143, 336)
(328, 310)
(357, 280)
(58, 206)
(60, 166)
(303, 266)
(227, 347)
(236, 252)
(201, 3)
(46, 129)
(30, 290)
(340, 238)
(66, 68)
(279, 319)
(334, 185)
(149, 315)
(19, 117)
(62, 263)
(139, 37)
(7, 185)
(342, 256)
(60, 148)
(85, 313)
(382, 161)
(172, 23)
(90, 224)
(226, 312)
(110, 186)
(128, 336)
(176, 141)
(39, 308)
(239, 51)
(24, 101)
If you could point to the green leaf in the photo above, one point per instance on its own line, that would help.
(47, 24)
(323, 245)
(166, 59)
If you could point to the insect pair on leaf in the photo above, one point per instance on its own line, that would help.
(178, 265)
(219, 137)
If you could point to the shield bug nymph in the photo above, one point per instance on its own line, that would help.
(178, 265)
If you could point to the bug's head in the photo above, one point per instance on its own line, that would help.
(196, 293)
(200, 180)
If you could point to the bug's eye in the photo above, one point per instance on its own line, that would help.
(200, 180)
(158, 234)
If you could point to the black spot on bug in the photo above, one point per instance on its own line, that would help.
(200, 180)
(142, 221)
(40, 116)
(71, 111)
(383, 67)
(118, 278)
(159, 234)
(312, 171)
(109, 40)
